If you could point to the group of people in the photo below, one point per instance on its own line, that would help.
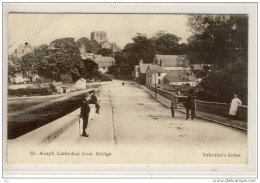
(85, 110)
(190, 105)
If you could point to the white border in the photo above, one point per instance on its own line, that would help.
(140, 171)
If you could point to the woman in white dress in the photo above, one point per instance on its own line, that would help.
(234, 106)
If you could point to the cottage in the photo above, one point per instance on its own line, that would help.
(22, 49)
(104, 63)
(178, 78)
(155, 75)
(171, 62)
(80, 84)
(140, 72)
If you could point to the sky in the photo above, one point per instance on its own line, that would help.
(37, 29)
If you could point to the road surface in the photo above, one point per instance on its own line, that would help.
(137, 129)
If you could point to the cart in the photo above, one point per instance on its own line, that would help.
(177, 102)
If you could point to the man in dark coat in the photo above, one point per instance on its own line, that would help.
(190, 104)
(84, 114)
(93, 100)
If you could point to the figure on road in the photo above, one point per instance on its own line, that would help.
(173, 105)
(84, 114)
(190, 104)
(94, 100)
(234, 106)
(123, 83)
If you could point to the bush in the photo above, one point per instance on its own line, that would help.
(30, 91)
(104, 77)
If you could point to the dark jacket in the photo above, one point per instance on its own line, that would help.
(85, 109)
(190, 102)
(93, 99)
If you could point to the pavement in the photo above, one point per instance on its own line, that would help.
(236, 124)
(134, 128)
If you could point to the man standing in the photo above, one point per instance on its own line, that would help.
(84, 114)
(234, 106)
(173, 105)
(190, 104)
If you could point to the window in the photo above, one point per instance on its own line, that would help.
(104, 68)
(22, 51)
(159, 81)
(15, 51)
(159, 74)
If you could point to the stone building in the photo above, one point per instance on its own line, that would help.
(99, 36)
(22, 49)
(140, 72)
(155, 75)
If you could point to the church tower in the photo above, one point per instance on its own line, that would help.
(99, 36)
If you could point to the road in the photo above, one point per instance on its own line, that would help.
(138, 129)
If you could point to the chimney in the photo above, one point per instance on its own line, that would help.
(161, 63)
(141, 61)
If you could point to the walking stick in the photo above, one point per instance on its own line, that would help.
(79, 125)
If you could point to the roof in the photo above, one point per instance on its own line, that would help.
(171, 60)
(178, 76)
(81, 79)
(104, 61)
(156, 68)
(143, 68)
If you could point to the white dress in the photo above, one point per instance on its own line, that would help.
(234, 106)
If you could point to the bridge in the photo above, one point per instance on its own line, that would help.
(132, 127)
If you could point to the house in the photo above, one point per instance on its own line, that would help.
(22, 49)
(105, 45)
(155, 74)
(80, 84)
(104, 63)
(171, 62)
(178, 71)
(178, 78)
(140, 72)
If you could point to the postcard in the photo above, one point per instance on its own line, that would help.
(164, 89)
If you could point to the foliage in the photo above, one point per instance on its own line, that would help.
(91, 69)
(90, 46)
(166, 44)
(14, 65)
(105, 52)
(64, 59)
(144, 48)
(112, 69)
(104, 77)
(30, 91)
(33, 63)
(220, 42)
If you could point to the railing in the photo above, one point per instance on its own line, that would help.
(220, 109)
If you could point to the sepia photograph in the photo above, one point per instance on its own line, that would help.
(111, 89)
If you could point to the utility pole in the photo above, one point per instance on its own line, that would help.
(155, 86)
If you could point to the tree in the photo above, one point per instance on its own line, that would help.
(64, 59)
(14, 65)
(142, 48)
(91, 69)
(33, 63)
(105, 52)
(222, 42)
(166, 44)
(90, 46)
